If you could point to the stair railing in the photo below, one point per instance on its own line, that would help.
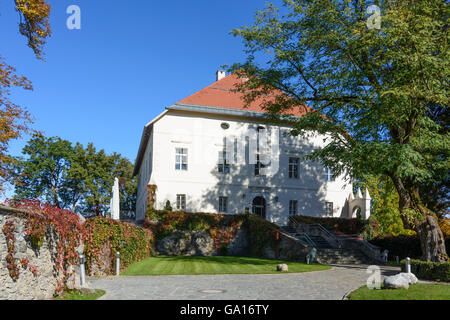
(308, 239)
(369, 249)
(328, 233)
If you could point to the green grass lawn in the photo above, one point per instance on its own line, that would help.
(418, 291)
(79, 295)
(164, 265)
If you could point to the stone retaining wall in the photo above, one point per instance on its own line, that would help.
(200, 243)
(289, 249)
(28, 285)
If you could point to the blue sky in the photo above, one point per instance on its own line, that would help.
(130, 59)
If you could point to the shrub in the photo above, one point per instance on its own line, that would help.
(169, 221)
(371, 228)
(262, 234)
(347, 226)
(403, 246)
(133, 243)
(444, 223)
(427, 270)
(168, 206)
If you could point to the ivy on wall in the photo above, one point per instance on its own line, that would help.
(262, 234)
(8, 231)
(133, 243)
(222, 228)
(43, 220)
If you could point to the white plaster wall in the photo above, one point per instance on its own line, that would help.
(144, 179)
(203, 136)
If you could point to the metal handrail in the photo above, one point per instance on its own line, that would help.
(357, 237)
(336, 237)
(308, 239)
(305, 235)
(305, 243)
(292, 219)
(296, 223)
(332, 236)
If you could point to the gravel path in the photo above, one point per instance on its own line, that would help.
(331, 284)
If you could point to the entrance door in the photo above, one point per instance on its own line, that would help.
(259, 207)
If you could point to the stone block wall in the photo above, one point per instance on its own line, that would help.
(41, 285)
(200, 243)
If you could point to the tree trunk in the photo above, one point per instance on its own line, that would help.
(423, 221)
(432, 240)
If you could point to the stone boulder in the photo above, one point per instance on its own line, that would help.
(187, 243)
(396, 282)
(410, 276)
(282, 267)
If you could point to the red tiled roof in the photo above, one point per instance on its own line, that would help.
(220, 94)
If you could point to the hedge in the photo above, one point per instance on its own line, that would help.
(403, 246)
(427, 270)
(164, 222)
(134, 243)
(344, 225)
(262, 234)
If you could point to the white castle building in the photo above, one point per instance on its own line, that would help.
(210, 153)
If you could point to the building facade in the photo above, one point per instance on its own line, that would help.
(211, 153)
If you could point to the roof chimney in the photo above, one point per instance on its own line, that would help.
(220, 74)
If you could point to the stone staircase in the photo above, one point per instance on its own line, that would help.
(342, 256)
(321, 242)
(326, 253)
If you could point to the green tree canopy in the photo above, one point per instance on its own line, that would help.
(71, 176)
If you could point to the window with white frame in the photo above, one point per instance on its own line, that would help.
(259, 156)
(293, 167)
(181, 202)
(328, 174)
(181, 159)
(223, 166)
(223, 204)
(293, 205)
(329, 208)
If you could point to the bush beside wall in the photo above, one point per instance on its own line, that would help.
(427, 270)
(262, 235)
(403, 246)
(106, 237)
(347, 226)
